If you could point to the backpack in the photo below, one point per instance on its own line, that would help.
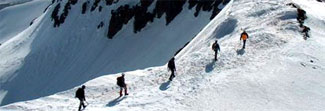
(214, 47)
(171, 65)
(77, 95)
(119, 81)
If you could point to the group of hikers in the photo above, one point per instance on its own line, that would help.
(80, 93)
(216, 47)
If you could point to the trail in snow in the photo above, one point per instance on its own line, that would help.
(267, 75)
(52, 58)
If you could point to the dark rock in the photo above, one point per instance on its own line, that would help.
(109, 2)
(100, 25)
(95, 5)
(305, 31)
(31, 23)
(61, 19)
(170, 8)
(84, 7)
(301, 15)
(100, 8)
(46, 8)
(293, 5)
(73, 2)
(55, 16)
(123, 14)
(119, 17)
(141, 16)
(301, 20)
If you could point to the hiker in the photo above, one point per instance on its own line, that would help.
(171, 67)
(80, 94)
(244, 37)
(121, 83)
(215, 48)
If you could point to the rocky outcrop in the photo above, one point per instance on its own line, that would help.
(123, 14)
(301, 19)
(170, 8)
(60, 19)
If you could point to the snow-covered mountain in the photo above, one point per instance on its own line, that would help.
(16, 18)
(74, 41)
(278, 70)
(7, 3)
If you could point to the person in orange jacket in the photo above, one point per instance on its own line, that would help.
(244, 37)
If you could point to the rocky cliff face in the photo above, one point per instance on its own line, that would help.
(139, 12)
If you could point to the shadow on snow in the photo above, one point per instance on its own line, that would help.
(209, 67)
(164, 86)
(240, 51)
(115, 101)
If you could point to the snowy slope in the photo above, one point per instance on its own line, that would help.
(278, 70)
(13, 1)
(42, 60)
(16, 18)
(8, 3)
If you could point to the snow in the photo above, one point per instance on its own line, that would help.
(13, 1)
(8, 3)
(52, 60)
(278, 70)
(16, 18)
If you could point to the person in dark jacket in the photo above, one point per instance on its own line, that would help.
(244, 37)
(215, 48)
(172, 68)
(80, 94)
(121, 83)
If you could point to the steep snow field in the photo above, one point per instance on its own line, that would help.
(15, 19)
(42, 60)
(13, 1)
(8, 3)
(278, 70)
